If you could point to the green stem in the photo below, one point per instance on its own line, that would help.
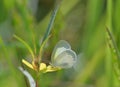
(109, 61)
(27, 46)
(114, 43)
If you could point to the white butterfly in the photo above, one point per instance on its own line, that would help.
(63, 56)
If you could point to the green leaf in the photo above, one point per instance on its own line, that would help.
(51, 22)
(27, 46)
(42, 47)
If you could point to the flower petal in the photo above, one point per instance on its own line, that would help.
(42, 66)
(27, 64)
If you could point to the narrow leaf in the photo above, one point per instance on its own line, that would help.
(51, 21)
(27, 46)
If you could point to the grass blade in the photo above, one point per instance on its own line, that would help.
(51, 22)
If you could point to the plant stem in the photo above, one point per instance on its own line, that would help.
(109, 59)
(114, 43)
(37, 83)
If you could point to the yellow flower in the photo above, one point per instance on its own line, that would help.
(42, 67)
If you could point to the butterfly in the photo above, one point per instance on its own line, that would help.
(63, 56)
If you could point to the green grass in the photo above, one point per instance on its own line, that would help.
(82, 23)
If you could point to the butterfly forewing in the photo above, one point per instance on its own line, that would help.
(59, 48)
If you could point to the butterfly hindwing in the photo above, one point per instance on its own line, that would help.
(66, 59)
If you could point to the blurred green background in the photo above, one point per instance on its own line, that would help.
(80, 22)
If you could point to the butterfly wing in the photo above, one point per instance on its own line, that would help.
(66, 59)
(61, 46)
